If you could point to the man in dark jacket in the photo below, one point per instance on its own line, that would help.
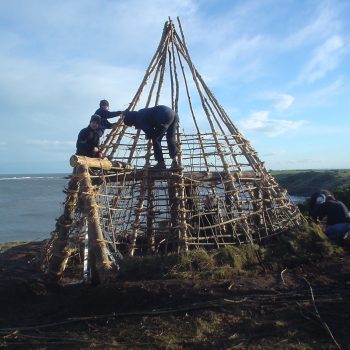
(88, 139)
(155, 123)
(337, 214)
(318, 198)
(105, 114)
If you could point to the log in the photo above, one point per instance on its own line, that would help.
(98, 163)
(199, 176)
(60, 250)
(104, 164)
(97, 244)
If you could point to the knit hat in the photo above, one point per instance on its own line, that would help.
(95, 118)
(104, 103)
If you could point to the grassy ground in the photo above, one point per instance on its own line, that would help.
(248, 297)
(290, 249)
(7, 245)
(305, 183)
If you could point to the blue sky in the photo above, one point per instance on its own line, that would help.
(279, 68)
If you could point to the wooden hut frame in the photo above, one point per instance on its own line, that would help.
(221, 194)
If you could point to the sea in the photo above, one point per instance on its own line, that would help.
(30, 205)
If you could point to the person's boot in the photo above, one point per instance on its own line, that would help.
(175, 165)
(159, 166)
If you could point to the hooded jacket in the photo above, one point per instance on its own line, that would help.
(88, 139)
(153, 121)
(335, 211)
(105, 115)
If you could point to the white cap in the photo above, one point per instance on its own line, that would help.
(320, 199)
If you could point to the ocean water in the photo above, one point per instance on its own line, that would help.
(298, 199)
(29, 205)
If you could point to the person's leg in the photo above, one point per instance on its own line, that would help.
(157, 148)
(171, 137)
(337, 232)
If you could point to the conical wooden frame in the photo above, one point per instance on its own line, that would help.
(221, 193)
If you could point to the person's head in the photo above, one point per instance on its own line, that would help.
(104, 104)
(330, 197)
(129, 117)
(95, 121)
(321, 199)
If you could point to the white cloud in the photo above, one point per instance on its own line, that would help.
(280, 101)
(274, 153)
(261, 122)
(329, 90)
(324, 59)
(50, 143)
(240, 58)
(58, 102)
(328, 130)
(45, 147)
(323, 95)
(324, 23)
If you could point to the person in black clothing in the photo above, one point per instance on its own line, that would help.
(338, 221)
(88, 139)
(318, 198)
(105, 114)
(156, 122)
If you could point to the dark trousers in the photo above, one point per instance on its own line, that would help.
(170, 137)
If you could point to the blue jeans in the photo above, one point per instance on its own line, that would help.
(337, 231)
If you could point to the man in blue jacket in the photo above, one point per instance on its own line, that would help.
(155, 122)
(105, 114)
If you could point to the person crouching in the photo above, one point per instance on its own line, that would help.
(155, 122)
(89, 139)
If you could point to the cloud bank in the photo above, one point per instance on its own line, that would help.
(262, 123)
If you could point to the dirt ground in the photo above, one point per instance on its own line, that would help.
(306, 307)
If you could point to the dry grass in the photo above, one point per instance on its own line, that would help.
(7, 245)
(298, 246)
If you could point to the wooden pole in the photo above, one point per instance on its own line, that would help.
(97, 244)
(60, 249)
(104, 164)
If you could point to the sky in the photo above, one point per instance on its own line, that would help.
(279, 68)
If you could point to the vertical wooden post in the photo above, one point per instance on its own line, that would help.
(173, 236)
(100, 262)
(182, 214)
(151, 218)
(60, 249)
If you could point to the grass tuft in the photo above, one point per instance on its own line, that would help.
(301, 245)
(8, 245)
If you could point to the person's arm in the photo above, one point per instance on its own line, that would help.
(104, 114)
(94, 144)
(152, 132)
(159, 130)
(148, 130)
(82, 142)
(95, 141)
(105, 124)
(319, 212)
(114, 114)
